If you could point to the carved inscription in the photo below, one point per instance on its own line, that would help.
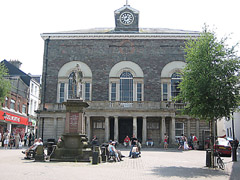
(73, 122)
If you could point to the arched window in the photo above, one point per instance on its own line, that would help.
(176, 79)
(72, 86)
(126, 86)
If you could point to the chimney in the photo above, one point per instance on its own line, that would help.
(16, 63)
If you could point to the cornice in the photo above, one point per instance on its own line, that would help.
(61, 36)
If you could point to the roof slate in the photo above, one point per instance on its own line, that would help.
(14, 71)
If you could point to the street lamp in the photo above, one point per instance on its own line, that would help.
(4, 116)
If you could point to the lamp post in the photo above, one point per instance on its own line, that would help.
(4, 116)
(234, 148)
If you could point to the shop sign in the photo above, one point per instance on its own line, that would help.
(32, 122)
(14, 118)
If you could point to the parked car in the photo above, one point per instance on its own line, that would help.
(223, 146)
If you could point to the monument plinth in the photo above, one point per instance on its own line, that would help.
(74, 146)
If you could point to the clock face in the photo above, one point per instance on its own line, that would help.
(126, 18)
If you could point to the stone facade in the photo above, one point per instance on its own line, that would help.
(146, 59)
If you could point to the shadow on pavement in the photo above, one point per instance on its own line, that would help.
(185, 172)
(235, 175)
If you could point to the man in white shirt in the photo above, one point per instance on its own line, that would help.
(37, 142)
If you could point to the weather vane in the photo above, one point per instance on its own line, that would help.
(127, 2)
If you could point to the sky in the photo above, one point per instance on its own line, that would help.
(22, 21)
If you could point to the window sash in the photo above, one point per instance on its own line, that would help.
(98, 125)
(126, 89)
(179, 128)
(139, 91)
(165, 92)
(113, 92)
(12, 105)
(24, 109)
(87, 91)
(61, 97)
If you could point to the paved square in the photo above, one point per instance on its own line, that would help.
(155, 163)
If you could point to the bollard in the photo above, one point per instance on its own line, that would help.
(208, 157)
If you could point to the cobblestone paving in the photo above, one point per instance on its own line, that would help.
(154, 164)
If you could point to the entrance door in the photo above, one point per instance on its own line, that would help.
(125, 128)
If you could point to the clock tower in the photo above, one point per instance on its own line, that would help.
(126, 19)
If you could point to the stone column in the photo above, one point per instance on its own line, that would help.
(163, 131)
(55, 128)
(88, 128)
(173, 131)
(115, 128)
(197, 128)
(188, 128)
(144, 130)
(107, 129)
(9, 127)
(135, 126)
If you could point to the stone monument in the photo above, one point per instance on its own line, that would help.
(74, 145)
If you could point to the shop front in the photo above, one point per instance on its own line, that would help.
(13, 123)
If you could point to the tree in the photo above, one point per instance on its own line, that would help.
(210, 80)
(5, 84)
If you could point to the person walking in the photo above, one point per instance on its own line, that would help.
(195, 140)
(165, 141)
(17, 139)
(186, 147)
(134, 142)
(6, 137)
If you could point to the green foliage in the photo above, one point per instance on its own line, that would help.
(210, 79)
(5, 84)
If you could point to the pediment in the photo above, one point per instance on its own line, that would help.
(126, 7)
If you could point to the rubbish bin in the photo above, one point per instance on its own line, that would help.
(95, 157)
(208, 157)
(50, 143)
(104, 155)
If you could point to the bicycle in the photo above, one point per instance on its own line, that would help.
(220, 162)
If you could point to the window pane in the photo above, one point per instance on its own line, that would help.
(113, 92)
(87, 91)
(126, 87)
(24, 108)
(165, 93)
(175, 81)
(179, 132)
(139, 92)
(62, 92)
(179, 125)
(179, 129)
(12, 105)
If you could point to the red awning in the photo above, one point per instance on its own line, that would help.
(14, 118)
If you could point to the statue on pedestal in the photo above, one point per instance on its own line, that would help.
(77, 77)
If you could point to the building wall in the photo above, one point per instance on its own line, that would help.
(102, 55)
